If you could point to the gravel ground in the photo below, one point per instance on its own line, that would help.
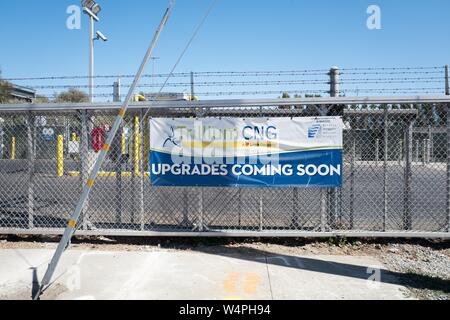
(423, 266)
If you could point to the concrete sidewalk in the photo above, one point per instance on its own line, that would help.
(165, 274)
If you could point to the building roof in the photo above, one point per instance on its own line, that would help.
(23, 93)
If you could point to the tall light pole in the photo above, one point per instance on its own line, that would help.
(91, 59)
(92, 9)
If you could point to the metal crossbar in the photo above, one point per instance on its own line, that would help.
(232, 103)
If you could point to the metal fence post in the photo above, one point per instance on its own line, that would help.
(116, 91)
(352, 181)
(119, 160)
(84, 163)
(200, 113)
(148, 150)
(31, 158)
(141, 170)
(430, 144)
(447, 92)
(385, 167)
(332, 192)
(334, 82)
(185, 221)
(408, 176)
(448, 167)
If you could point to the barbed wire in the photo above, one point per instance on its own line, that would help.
(310, 72)
(393, 68)
(255, 83)
(269, 92)
(117, 76)
(396, 90)
(312, 81)
(181, 75)
(391, 73)
(391, 79)
(197, 84)
(390, 82)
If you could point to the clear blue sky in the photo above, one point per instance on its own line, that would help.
(239, 35)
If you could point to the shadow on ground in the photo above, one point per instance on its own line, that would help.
(223, 247)
(412, 280)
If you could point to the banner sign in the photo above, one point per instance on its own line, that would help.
(254, 152)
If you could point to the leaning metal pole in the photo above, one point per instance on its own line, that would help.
(70, 229)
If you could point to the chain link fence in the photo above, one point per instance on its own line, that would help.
(395, 179)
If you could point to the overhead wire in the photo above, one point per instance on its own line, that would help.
(202, 22)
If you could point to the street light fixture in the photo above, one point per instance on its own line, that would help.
(88, 3)
(91, 14)
(96, 9)
(91, 8)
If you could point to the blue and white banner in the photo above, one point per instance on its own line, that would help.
(254, 152)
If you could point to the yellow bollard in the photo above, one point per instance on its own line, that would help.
(124, 144)
(60, 156)
(146, 145)
(13, 148)
(74, 137)
(137, 145)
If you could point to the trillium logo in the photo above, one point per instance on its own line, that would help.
(314, 131)
(171, 138)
